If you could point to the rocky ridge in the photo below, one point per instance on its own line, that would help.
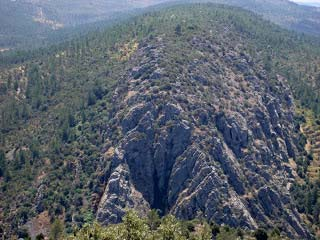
(204, 133)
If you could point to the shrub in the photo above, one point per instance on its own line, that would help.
(261, 234)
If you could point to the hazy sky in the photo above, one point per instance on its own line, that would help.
(306, 1)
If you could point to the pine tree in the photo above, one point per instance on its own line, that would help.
(153, 219)
(2, 163)
(135, 227)
(57, 230)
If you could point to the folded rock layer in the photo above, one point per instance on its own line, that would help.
(201, 131)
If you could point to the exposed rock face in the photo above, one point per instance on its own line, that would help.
(120, 193)
(208, 138)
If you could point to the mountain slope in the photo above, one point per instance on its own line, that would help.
(189, 110)
(17, 24)
(26, 21)
(208, 148)
(29, 24)
(285, 13)
(218, 147)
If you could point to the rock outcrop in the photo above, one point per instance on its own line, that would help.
(209, 138)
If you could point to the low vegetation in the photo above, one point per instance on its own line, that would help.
(151, 227)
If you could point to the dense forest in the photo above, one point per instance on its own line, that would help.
(55, 104)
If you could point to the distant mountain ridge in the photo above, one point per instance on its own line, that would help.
(30, 21)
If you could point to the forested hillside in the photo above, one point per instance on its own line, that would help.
(194, 110)
(30, 24)
(287, 14)
(27, 25)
